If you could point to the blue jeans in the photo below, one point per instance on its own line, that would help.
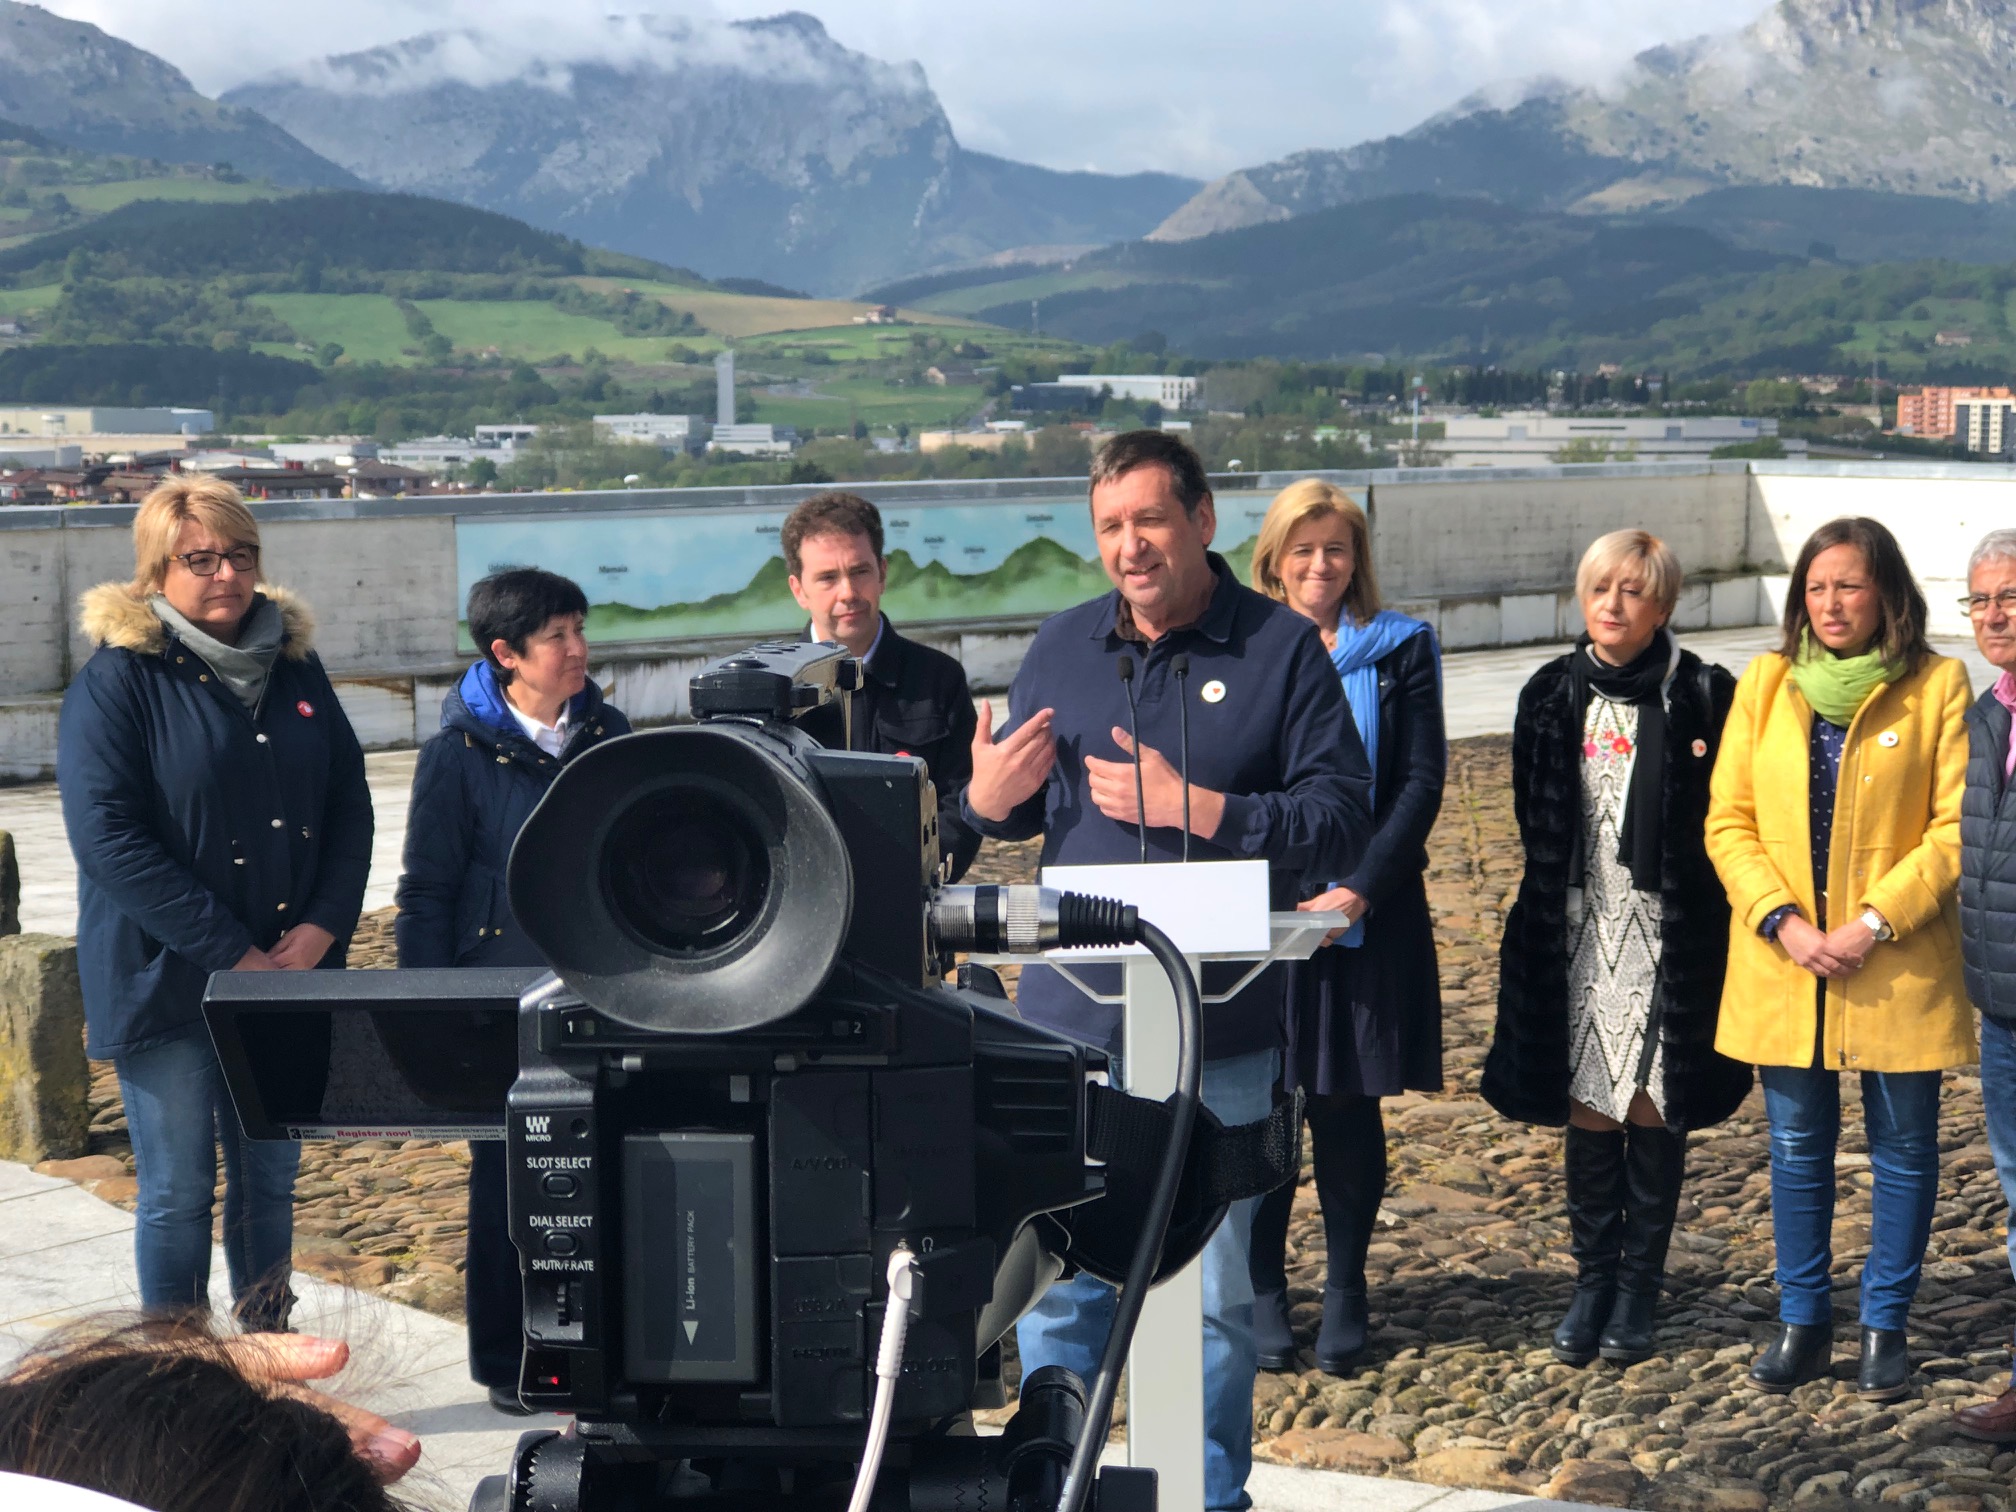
(1900, 1111)
(1998, 1101)
(1069, 1325)
(177, 1114)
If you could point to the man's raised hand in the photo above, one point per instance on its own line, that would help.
(1015, 769)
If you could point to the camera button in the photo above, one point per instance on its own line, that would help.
(559, 1184)
(560, 1243)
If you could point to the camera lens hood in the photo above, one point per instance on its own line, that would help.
(686, 881)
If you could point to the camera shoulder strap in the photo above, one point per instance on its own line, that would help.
(1130, 1133)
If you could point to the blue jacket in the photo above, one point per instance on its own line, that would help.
(200, 829)
(476, 783)
(1269, 728)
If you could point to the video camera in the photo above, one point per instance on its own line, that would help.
(752, 1132)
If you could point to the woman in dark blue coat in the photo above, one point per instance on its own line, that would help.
(215, 800)
(1365, 1013)
(518, 716)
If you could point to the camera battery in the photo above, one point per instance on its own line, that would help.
(689, 1251)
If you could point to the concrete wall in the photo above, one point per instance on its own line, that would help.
(1488, 557)
(1938, 511)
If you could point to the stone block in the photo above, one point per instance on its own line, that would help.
(1478, 1469)
(1336, 1449)
(10, 887)
(1601, 1483)
(44, 1080)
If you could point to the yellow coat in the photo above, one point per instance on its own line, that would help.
(1896, 848)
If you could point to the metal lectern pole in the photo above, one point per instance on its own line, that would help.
(1165, 1367)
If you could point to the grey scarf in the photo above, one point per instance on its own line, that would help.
(242, 668)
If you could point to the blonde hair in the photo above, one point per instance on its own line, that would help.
(1653, 558)
(1294, 506)
(174, 502)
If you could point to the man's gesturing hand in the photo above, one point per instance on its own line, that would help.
(1013, 771)
(1111, 786)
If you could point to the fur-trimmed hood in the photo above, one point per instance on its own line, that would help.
(112, 614)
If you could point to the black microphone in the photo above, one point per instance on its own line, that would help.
(1179, 668)
(1134, 739)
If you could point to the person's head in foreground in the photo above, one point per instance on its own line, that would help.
(167, 1416)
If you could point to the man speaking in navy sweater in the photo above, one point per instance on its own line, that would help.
(1276, 774)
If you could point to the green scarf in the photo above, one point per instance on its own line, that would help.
(1836, 686)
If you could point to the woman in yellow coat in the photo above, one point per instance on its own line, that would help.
(1834, 824)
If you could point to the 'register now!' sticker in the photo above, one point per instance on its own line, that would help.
(1212, 692)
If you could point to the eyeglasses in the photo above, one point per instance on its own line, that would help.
(205, 563)
(1976, 604)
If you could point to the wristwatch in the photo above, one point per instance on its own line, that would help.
(1878, 925)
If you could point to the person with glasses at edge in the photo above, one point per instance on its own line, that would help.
(1988, 892)
(1835, 827)
(215, 800)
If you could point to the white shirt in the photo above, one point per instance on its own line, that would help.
(552, 739)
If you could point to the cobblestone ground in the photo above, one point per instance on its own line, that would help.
(1468, 1274)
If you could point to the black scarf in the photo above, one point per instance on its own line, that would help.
(1641, 683)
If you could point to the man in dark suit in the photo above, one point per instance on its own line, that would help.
(913, 700)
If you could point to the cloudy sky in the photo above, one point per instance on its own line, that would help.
(1190, 86)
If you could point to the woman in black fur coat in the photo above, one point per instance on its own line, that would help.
(1610, 972)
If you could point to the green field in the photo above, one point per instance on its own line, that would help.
(844, 400)
(370, 328)
(26, 301)
(740, 315)
(97, 199)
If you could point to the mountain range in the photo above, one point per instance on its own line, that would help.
(1910, 97)
(755, 149)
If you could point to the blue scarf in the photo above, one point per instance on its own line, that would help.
(1360, 648)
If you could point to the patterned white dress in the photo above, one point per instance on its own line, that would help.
(1613, 933)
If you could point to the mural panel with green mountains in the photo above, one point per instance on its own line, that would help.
(1037, 577)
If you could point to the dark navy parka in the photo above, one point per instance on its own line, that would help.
(1269, 728)
(1988, 863)
(476, 783)
(201, 829)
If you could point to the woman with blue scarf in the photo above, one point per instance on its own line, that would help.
(1365, 1015)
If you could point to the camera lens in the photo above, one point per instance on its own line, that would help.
(686, 872)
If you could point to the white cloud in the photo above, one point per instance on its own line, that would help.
(1189, 86)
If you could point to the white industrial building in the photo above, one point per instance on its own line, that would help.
(1165, 389)
(440, 454)
(668, 432)
(754, 440)
(1534, 439)
(103, 420)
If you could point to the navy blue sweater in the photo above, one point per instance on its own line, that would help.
(201, 828)
(476, 783)
(1269, 728)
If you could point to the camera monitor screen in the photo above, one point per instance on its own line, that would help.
(369, 1054)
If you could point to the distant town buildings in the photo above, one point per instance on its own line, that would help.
(1986, 423)
(880, 315)
(1166, 389)
(103, 420)
(442, 454)
(667, 432)
(1933, 411)
(754, 440)
(1533, 439)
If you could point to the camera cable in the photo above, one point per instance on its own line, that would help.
(902, 1276)
(1183, 1104)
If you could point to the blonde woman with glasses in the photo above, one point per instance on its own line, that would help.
(215, 800)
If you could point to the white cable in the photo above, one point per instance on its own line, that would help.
(888, 1369)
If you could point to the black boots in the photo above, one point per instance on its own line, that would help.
(1655, 1159)
(1802, 1352)
(1342, 1338)
(1623, 1188)
(1886, 1366)
(1595, 1171)
(1273, 1338)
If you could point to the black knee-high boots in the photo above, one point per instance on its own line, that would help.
(1623, 1190)
(1347, 1140)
